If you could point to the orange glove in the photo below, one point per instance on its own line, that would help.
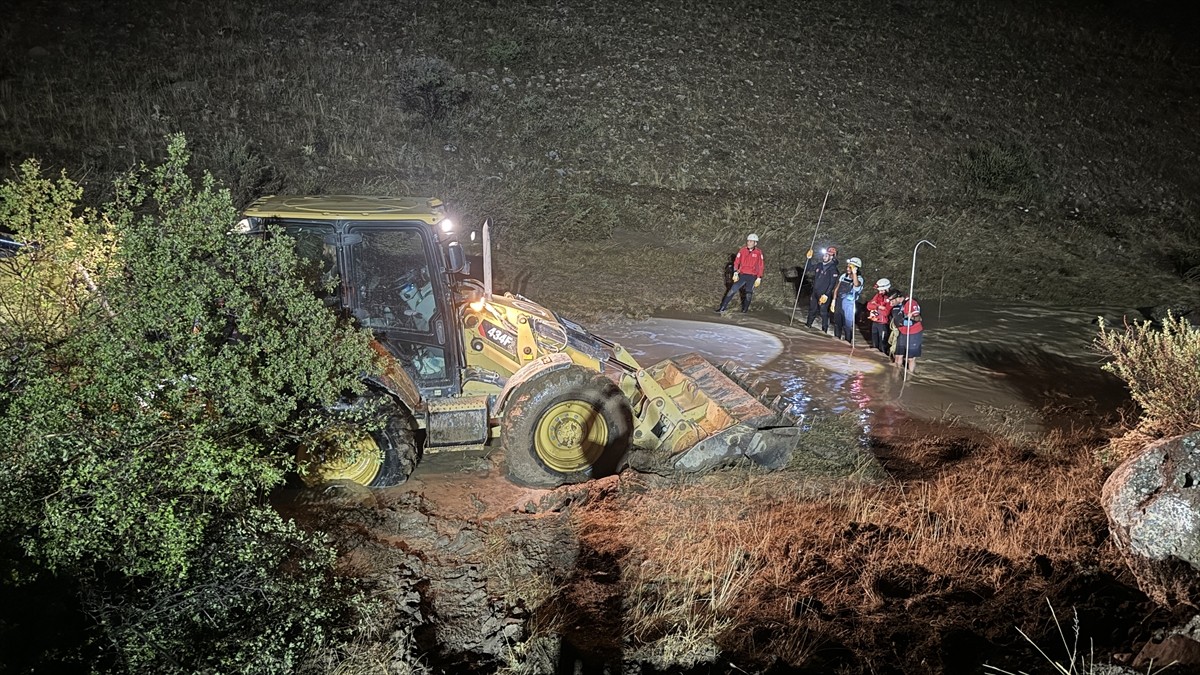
(809, 255)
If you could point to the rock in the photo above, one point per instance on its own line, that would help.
(1158, 314)
(1176, 652)
(1153, 506)
(1191, 628)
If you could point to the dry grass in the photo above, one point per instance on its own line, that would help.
(394, 656)
(511, 576)
(766, 550)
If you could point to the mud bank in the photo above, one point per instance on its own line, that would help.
(988, 523)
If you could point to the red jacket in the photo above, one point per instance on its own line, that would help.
(910, 308)
(879, 308)
(749, 261)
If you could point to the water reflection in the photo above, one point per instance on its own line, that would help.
(977, 359)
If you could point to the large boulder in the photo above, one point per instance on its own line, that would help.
(1153, 506)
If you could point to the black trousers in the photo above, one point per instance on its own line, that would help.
(815, 308)
(879, 336)
(744, 283)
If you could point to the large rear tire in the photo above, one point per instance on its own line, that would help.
(381, 458)
(565, 426)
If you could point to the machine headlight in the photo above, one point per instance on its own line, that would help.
(447, 226)
(243, 227)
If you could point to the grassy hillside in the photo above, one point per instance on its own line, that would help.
(1048, 150)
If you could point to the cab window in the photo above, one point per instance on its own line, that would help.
(319, 266)
(395, 287)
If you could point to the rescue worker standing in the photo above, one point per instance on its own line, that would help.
(825, 277)
(879, 310)
(845, 294)
(747, 273)
(906, 316)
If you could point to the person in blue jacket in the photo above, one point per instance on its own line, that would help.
(845, 297)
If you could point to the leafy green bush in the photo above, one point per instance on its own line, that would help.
(261, 597)
(430, 86)
(140, 433)
(1162, 369)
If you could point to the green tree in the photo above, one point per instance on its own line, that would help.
(155, 373)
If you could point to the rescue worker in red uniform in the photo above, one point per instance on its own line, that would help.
(906, 317)
(747, 274)
(879, 310)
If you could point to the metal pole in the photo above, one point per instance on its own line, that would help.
(850, 354)
(487, 259)
(941, 293)
(806, 259)
(912, 282)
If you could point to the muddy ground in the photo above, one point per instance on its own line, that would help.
(980, 530)
(482, 576)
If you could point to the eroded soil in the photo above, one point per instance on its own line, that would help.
(977, 532)
(480, 575)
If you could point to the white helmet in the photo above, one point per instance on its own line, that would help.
(854, 261)
(883, 284)
(752, 237)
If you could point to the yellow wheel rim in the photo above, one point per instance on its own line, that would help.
(358, 461)
(571, 436)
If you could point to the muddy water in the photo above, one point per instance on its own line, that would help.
(1033, 363)
(980, 362)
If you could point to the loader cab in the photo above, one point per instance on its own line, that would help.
(398, 287)
(379, 260)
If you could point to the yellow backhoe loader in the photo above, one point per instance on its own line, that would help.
(467, 367)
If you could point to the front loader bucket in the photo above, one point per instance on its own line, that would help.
(695, 415)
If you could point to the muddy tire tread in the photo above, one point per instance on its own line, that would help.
(397, 440)
(533, 398)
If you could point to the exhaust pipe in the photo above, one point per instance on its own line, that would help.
(487, 259)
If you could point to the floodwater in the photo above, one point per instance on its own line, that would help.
(981, 363)
(1033, 364)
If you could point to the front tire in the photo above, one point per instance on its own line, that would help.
(565, 426)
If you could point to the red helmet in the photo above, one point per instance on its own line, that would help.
(832, 250)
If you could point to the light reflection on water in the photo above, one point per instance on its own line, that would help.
(813, 374)
(977, 358)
